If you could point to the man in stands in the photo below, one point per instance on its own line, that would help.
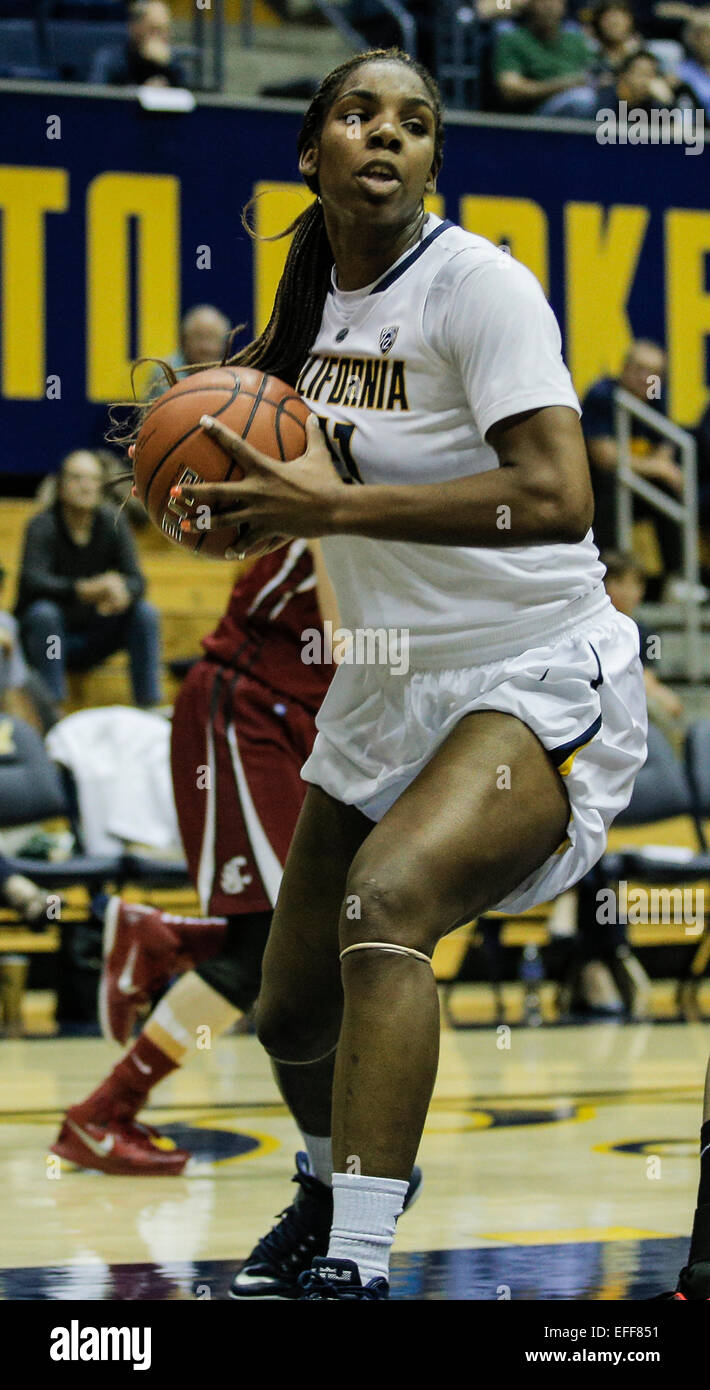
(147, 57)
(541, 61)
(203, 336)
(652, 457)
(80, 593)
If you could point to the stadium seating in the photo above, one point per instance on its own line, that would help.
(72, 45)
(21, 54)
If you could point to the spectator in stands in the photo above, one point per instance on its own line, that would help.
(146, 58)
(625, 584)
(541, 65)
(642, 374)
(614, 28)
(117, 488)
(80, 594)
(203, 337)
(642, 84)
(694, 69)
(23, 694)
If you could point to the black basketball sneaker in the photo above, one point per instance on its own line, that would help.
(328, 1278)
(302, 1233)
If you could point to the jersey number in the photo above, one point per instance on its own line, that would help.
(338, 437)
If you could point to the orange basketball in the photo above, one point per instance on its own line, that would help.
(171, 449)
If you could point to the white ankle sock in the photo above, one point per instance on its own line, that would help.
(365, 1212)
(320, 1154)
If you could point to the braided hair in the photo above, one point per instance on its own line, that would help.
(283, 346)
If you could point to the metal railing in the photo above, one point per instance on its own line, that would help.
(684, 512)
(457, 56)
(208, 32)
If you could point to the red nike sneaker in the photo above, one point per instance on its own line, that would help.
(121, 1147)
(141, 953)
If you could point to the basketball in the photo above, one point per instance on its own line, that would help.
(173, 451)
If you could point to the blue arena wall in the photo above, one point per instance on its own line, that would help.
(115, 220)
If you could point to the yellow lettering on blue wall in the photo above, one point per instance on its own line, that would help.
(687, 312)
(277, 205)
(112, 201)
(519, 222)
(602, 250)
(25, 196)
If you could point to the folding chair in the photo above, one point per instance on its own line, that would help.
(31, 790)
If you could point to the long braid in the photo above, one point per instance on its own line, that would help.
(283, 346)
(298, 305)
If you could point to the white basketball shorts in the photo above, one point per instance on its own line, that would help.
(582, 694)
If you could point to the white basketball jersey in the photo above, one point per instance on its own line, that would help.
(407, 375)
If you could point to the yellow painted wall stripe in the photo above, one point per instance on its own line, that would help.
(602, 249)
(112, 201)
(26, 196)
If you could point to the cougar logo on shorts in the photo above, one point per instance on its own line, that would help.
(232, 879)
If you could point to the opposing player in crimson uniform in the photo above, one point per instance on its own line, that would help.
(243, 725)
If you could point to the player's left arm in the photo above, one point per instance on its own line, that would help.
(497, 331)
(540, 493)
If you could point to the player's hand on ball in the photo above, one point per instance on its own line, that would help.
(272, 498)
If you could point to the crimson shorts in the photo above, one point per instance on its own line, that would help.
(237, 750)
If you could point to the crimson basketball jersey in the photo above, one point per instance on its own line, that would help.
(262, 632)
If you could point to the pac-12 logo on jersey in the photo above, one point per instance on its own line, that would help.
(232, 878)
(388, 337)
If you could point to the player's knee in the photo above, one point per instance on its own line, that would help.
(382, 905)
(293, 1035)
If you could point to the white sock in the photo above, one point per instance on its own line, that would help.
(320, 1155)
(365, 1212)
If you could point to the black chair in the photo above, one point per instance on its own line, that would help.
(31, 790)
(72, 44)
(20, 49)
(114, 10)
(155, 873)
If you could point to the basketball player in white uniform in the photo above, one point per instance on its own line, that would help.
(487, 774)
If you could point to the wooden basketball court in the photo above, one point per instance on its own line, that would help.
(559, 1163)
